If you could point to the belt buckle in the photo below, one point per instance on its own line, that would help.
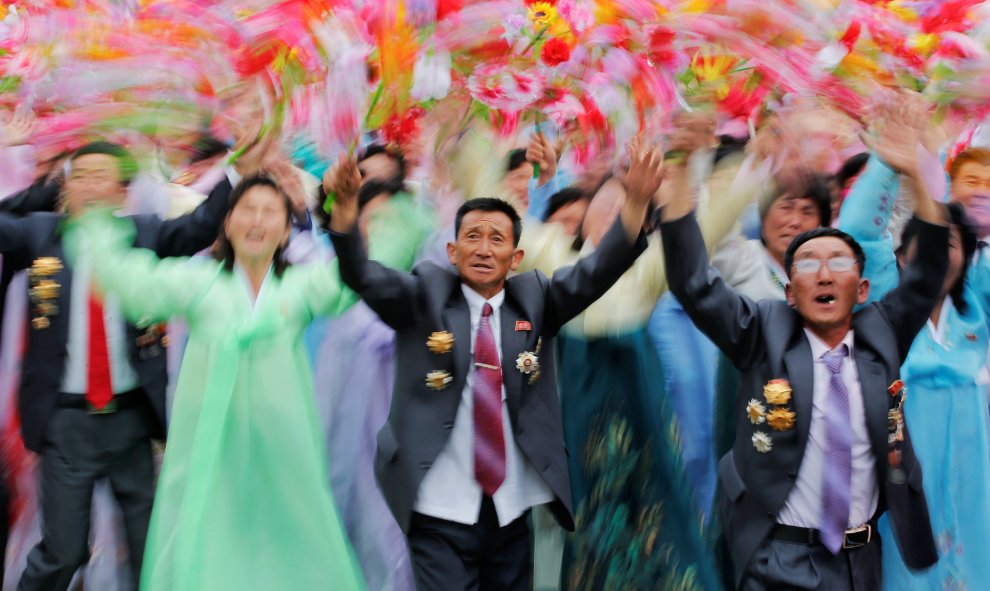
(847, 545)
(111, 407)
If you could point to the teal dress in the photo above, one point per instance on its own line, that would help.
(242, 501)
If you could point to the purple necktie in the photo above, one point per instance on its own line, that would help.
(489, 441)
(837, 484)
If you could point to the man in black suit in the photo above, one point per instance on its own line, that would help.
(474, 437)
(821, 449)
(92, 392)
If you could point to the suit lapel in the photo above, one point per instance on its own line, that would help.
(514, 342)
(458, 319)
(801, 374)
(875, 402)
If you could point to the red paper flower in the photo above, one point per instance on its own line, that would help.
(555, 51)
(531, 2)
(661, 50)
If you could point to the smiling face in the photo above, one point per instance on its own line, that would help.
(972, 178)
(825, 298)
(484, 252)
(94, 180)
(258, 224)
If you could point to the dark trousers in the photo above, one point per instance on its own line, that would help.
(448, 556)
(783, 565)
(80, 449)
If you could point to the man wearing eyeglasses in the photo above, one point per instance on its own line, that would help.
(821, 450)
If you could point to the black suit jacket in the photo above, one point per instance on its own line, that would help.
(25, 239)
(430, 300)
(765, 340)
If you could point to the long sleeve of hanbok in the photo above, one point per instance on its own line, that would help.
(865, 215)
(148, 288)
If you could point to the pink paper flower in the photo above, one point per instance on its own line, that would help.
(498, 87)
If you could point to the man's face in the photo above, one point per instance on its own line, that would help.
(379, 167)
(785, 220)
(94, 179)
(825, 298)
(484, 252)
(972, 178)
(570, 216)
(517, 184)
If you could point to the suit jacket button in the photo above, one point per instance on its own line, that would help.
(792, 477)
(448, 425)
(771, 516)
(425, 465)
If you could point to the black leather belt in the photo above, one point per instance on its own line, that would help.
(121, 401)
(855, 537)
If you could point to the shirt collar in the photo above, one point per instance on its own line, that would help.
(819, 348)
(476, 301)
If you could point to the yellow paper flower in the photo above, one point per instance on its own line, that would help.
(780, 419)
(711, 68)
(762, 442)
(438, 379)
(440, 342)
(777, 391)
(543, 15)
(756, 411)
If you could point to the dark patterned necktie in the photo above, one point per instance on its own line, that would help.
(837, 484)
(489, 441)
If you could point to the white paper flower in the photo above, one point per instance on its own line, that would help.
(527, 362)
(756, 412)
(431, 74)
(762, 442)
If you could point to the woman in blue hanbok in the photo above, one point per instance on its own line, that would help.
(945, 407)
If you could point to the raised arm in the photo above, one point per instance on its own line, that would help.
(909, 305)
(727, 318)
(391, 294)
(572, 289)
(146, 286)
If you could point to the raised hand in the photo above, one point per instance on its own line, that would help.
(288, 180)
(900, 124)
(646, 170)
(543, 154)
(17, 128)
(343, 180)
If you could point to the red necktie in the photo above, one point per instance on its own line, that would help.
(99, 388)
(489, 441)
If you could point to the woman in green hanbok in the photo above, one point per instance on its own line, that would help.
(243, 501)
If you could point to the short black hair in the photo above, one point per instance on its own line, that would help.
(125, 161)
(397, 183)
(564, 197)
(515, 159)
(825, 232)
(967, 237)
(207, 147)
(489, 204)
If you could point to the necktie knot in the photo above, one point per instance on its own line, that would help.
(487, 310)
(833, 359)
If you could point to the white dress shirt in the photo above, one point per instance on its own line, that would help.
(122, 375)
(449, 490)
(804, 505)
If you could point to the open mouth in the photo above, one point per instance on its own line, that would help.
(255, 235)
(826, 299)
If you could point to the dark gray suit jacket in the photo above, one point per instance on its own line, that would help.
(765, 340)
(25, 239)
(429, 300)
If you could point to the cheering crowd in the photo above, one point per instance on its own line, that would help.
(701, 361)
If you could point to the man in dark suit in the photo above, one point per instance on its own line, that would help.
(92, 392)
(474, 437)
(821, 449)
